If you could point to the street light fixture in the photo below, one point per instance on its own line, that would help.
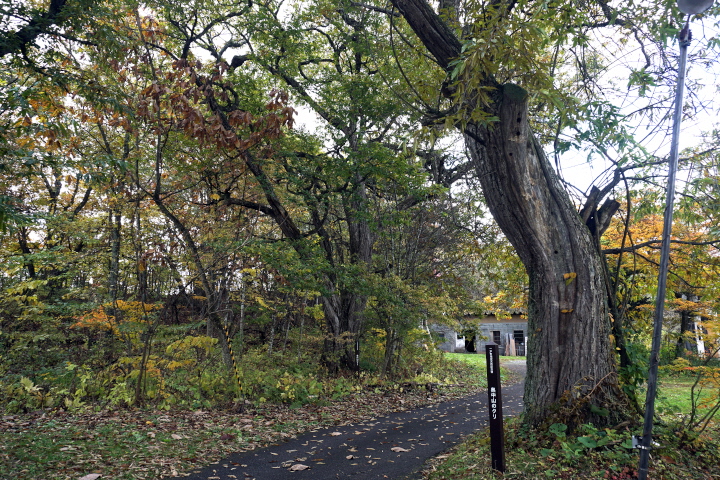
(689, 7)
(693, 7)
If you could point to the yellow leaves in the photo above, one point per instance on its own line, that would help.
(499, 304)
(175, 364)
(28, 385)
(189, 344)
(569, 277)
(261, 301)
(567, 310)
(316, 312)
(26, 142)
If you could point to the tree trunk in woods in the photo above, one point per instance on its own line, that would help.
(343, 305)
(23, 242)
(571, 366)
(215, 301)
(115, 222)
(343, 319)
(686, 344)
(344, 308)
(393, 344)
(140, 262)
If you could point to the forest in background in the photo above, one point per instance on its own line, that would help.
(175, 233)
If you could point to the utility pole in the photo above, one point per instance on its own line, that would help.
(689, 7)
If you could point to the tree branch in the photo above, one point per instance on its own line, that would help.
(17, 42)
(656, 244)
(434, 33)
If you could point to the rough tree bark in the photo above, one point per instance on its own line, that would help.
(343, 307)
(571, 366)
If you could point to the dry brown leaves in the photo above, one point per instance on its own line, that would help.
(170, 443)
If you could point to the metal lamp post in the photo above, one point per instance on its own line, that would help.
(689, 7)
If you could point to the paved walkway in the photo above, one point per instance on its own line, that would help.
(392, 447)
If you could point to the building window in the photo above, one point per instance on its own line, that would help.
(496, 336)
(519, 337)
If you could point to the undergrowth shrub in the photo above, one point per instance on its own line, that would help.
(117, 352)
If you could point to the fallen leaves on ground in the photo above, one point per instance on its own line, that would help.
(141, 444)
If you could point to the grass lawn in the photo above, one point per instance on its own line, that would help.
(478, 361)
(471, 358)
(478, 358)
(674, 395)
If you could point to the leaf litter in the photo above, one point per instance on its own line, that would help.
(146, 444)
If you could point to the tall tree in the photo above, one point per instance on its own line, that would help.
(570, 359)
(318, 190)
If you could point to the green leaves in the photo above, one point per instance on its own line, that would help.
(643, 80)
(558, 429)
(602, 411)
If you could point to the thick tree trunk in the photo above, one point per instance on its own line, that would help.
(392, 344)
(343, 319)
(570, 361)
(570, 358)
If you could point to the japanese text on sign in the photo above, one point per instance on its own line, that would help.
(493, 402)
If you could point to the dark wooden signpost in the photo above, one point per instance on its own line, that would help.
(497, 435)
(357, 356)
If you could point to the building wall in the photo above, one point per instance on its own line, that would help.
(486, 327)
(491, 324)
(448, 338)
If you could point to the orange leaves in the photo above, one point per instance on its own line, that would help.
(38, 128)
(26, 142)
(96, 320)
(569, 277)
(125, 312)
(150, 28)
(690, 306)
(45, 139)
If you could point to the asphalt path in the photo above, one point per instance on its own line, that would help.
(391, 447)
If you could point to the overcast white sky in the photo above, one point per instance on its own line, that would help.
(702, 89)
